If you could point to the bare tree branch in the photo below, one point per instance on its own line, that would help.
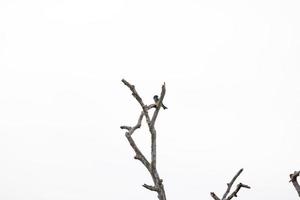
(213, 195)
(139, 99)
(294, 180)
(151, 166)
(139, 155)
(238, 187)
(152, 128)
(229, 186)
(138, 125)
(149, 187)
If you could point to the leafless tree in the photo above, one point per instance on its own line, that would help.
(229, 185)
(150, 121)
(151, 164)
(294, 180)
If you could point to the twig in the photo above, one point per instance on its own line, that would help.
(214, 196)
(238, 187)
(294, 180)
(229, 186)
(139, 99)
(150, 165)
(149, 187)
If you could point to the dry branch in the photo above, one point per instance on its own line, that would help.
(229, 186)
(294, 180)
(150, 165)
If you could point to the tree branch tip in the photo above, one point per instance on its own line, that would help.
(149, 187)
(125, 127)
(244, 185)
(127, 84)
(214, 196)
(240, 171)
(124, 81)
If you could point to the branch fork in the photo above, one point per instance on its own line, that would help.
(149, 164)
(228, 196)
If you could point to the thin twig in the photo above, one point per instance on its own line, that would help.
(139, 99)
(229, 186)
(149, 187)
(213, 195)
(238, 187)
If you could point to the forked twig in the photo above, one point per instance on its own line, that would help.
(229, 186)
(150, 165)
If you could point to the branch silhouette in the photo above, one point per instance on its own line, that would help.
(229, 186)
(150, 165)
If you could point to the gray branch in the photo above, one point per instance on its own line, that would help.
(139, 99)
(151, 166)
(238, 187)
(213, 195)
(229, 186)
(149, 187)
(294, 181)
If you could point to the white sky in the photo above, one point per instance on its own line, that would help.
(233, 92)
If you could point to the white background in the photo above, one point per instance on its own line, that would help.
(233, 92)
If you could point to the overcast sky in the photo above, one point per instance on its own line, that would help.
(232, 73)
